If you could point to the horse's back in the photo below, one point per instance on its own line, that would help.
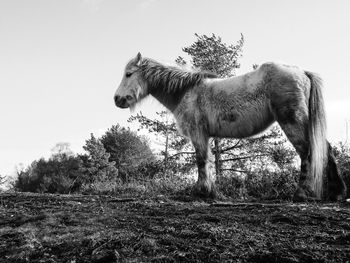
(279, 76)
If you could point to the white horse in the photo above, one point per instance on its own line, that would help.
(206, 106)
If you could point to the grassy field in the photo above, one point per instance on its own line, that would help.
(77, 228)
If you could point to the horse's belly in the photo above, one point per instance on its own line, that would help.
(232, 125)
(240, 130)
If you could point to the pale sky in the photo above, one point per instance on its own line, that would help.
(62, 60)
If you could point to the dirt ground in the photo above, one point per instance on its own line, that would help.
(63, 228)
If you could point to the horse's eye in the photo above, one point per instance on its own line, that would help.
(128, 74)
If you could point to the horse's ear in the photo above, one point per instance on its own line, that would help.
(138, 59)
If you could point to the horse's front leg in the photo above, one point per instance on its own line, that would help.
(205, 185)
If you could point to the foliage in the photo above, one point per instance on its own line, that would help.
(252, 164)
(61, 150)
(127, 150)
(262, 184)
(178, 153)
(97, 165)
(272, 184)
(209, 53)
(2, 179)
(232, 186)
(342, 154)
(168, 185)
(270, 150)
(118, 155)
(60, 174)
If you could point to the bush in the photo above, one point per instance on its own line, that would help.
(342, 155)
(127, 151)
(272, 185)
(231, 186)
(96, 164)
(59, 174)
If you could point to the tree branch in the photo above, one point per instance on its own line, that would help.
(179, 153)
(244, 157)
(231, 147)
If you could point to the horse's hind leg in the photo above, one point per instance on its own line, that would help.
(336, 188)
(298, 135)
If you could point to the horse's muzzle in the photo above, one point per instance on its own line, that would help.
(121, 102)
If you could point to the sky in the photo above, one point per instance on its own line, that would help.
(62, 60)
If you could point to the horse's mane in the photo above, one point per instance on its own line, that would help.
(170, 79)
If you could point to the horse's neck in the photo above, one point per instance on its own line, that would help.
(170, 101)
(170, 97)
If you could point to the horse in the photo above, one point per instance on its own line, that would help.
(206, 106)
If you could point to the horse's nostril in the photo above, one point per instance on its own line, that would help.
(120, 101)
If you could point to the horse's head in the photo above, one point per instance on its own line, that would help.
(132, 87)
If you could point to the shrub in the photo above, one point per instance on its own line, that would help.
(272, 184)
(59, 174)
(96, 164)
(232, 186)
(127, 150)
(342, 155)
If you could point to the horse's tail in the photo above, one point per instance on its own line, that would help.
(317, 133)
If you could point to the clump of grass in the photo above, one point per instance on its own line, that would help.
(169, 184)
